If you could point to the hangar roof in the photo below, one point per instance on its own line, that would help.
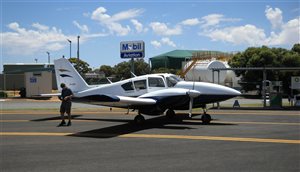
(174, 59)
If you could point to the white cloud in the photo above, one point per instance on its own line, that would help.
(191, 22)
(213, 20)
(248, 35)
(138, 26)
(156, 44)
(163, 41)
(163, 29)
(167, 41)
(40, 26)
(290, 33)
(285, 34)
(124, 15)
(112, 23)
(274, 16)
(27, 42)
(82, 28)
(22, 41)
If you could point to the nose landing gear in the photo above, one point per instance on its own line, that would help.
(205, 118)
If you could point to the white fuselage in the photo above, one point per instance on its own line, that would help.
(149, 86)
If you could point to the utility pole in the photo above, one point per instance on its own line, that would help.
(70, 47)
(48, 59)
(78, 47)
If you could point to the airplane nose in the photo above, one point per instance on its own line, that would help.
(234, 92)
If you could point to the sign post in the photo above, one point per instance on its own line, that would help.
(132, 50)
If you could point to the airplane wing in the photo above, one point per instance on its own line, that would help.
(116, 101)
(166, 96)
(50, 94)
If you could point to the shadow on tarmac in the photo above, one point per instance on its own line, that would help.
(161, 122)
(54, 118)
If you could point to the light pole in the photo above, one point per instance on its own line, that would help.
(48, 59)
(78, 47)
(70, 47)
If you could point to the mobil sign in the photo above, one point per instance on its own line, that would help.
(132, 49)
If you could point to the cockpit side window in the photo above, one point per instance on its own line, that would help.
(172, 81)
(156, 82)
(140, 85)
(127, 86)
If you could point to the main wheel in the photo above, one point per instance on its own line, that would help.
(206, 118)
(139, 119)
(170, 113)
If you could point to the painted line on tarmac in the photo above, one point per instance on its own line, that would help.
(157, 136)
(192, 121)
(270, 113)
(246, 122)
(57, 113)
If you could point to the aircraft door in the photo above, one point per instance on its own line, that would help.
(140, 87)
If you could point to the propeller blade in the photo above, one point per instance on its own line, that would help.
(192, 94)
(191, 106)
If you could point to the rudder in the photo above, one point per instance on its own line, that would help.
(66, 73)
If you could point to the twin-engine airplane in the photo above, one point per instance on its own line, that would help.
(151, 94)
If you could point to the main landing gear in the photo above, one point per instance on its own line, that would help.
(205, 118)
(139, 119)
(170, 113)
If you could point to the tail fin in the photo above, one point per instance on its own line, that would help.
(66, 73)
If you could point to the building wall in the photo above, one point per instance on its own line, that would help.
(17, 81)
(11, 81)
(37, 83)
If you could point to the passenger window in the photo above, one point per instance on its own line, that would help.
(140, 85)
(127, 86)
(156, 82)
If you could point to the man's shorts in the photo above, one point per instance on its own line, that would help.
(65, 107)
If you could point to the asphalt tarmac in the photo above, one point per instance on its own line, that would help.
(104, 140)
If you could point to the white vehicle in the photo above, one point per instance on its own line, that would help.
(151, 94)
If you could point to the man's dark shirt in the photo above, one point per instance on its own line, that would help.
(66, 92)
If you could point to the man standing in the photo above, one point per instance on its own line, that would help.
(66, 103)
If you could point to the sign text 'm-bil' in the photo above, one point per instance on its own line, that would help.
(132, 49)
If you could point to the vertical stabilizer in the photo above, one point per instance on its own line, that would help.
(66, 73)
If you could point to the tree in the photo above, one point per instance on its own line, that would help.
(81, 66)
(108, 70)
(266, 57)
(123, 69)
(141, 67)
(296, 48)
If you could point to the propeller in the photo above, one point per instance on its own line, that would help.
(192, 94)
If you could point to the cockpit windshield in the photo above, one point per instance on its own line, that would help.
(172, 80)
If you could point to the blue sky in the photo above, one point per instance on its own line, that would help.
(29, 29)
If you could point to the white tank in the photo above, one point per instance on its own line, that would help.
(201, 71)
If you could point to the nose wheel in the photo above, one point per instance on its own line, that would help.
(205, 118)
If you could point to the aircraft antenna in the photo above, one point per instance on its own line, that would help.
(133, 74)
(109, 80)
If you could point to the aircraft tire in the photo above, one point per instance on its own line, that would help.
(205, 118)
(170, 114)
(139, 119)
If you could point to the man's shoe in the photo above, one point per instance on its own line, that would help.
(69, 123)
(62, 123)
